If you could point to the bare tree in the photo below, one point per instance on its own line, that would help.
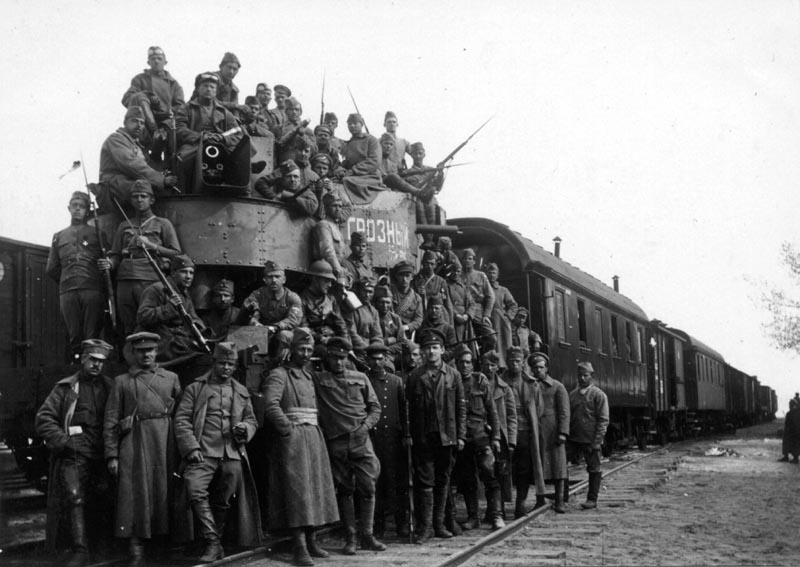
(784, 306)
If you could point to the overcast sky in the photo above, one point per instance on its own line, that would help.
(659, 140)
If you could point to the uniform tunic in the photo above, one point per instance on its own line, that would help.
(408, 307)
(162, 84)
(361, 157)
(392, 333)
(588, 421)
(483, 427)
(122, 162)
(387, 439)
(357, 270)
(481, 290)
(147, 454)
(506, 405)
(328, 244)
(365, 327)
(322, 315)
(461, 300)
(503, 312)
(301, 491)
(428, 286)
(554, 422)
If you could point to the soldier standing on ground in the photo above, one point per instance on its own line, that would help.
(588, 422)
(553, 428)
(301, 491)
(437, 413)
(213, 423)
(75, 262)
(139, 444)
(348, 409)
(79, 489)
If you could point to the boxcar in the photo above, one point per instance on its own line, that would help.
(579, 318)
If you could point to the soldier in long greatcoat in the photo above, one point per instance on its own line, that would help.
(301, 492)
(553, 427)
(503, 312)
(139, 444)
(360, 160)
(527, 462)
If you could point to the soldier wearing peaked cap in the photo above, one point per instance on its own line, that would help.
(138, 442)
(75, 262)
(276, 307)
(223, 314)
(588, 421)
(213, 423)
(406, 302)
(348, 409)
(227, 93)
(282, 92)
(301, 490)
(159, 311)
(71, 423)
(437, 413)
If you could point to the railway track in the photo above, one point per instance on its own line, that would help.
(541, 537)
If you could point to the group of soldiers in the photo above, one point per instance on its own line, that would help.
(380, 396)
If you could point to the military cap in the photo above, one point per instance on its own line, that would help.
(321, 269)
(302, 336)
(429, 255)
(321, 158)
(386, 137)
(515, 352)
(377, 348)
(467, 251)
(302, 142)
(207, 77)
(411, 346)
(282, 89)
(534, 355)
(180, 262)
(339, 346)
(143, 339)
(223, 286)
(322, 128)
(389, 114)
(80, 195)
(225, 351)
(453, 265)
(491, 266)
(461, 350)
(445, 242)
(586, 366)
(431, 336)
(435, 300)
(329, 116)
(292, 102)
(366, 283)
(155, 50)
(289, 166)
(491, 356)
(355, 117)
(265, 85)
(523, 310)
(382, 291)
(330, 198)
(134, 111)
(141, 186)
(229, 58)
(356, 237)
(403, 266)
(270, 266)
(96, 348)
(250, 100)
(416, 146)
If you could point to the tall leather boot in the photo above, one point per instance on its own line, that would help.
(300, 554)
(208, 529)
(425, 530)
(471, 500)
(493, 499)
(439, 505)
(566, 490)
(540, 501)
(558, 505)
(450, 514)
(80, 546)
(594, 491)
(401, 518)
(347, 513)
(368, 540)
(313, 547)
(522, 496)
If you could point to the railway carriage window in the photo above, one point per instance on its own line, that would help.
(584, 342)
(628, 340)
(642, 345)
(561, 315)
(599, 331)
(614, 336)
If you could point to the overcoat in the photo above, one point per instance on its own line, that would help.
(361, 157)
(503, 312)
(554, 422)
(147, 453)
(533, 405)
(440, 401)
(244, 518)
(589, 417)
(301, 491)
(791, 432)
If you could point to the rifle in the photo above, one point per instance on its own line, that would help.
(322, 102)
(409, 172)
(462, 144)
(174, 159)
(366, 128)
(185, 317)
(409, 463)
(110, 303)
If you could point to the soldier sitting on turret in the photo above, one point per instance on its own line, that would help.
(294, 127)
(291, 188)
(430, 182)
(282, 92)
(388, 169)
(332, 122)
(401, 145)
(360, 171)
(324, 139)
(264, 97)
(227, 94)
(159, 96)
(254, 123)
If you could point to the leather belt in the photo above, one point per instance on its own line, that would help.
(153, 415)
(302, 416)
